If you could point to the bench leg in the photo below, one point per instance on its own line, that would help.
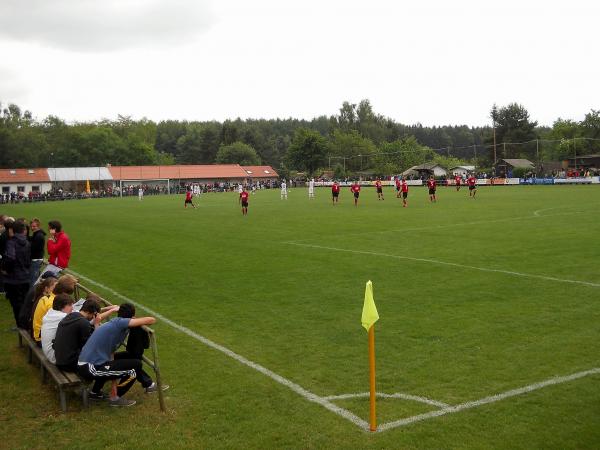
(63, 399)
(84, 397)
(29, 355)
(42, 373)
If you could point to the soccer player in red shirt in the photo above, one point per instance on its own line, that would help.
(472, 182)
(355, 189)
(379, 188)
(335, 192)
(244, 198)
(457, 180)
(432, 186)
(404, 187)
(188, 199)
(398, 187)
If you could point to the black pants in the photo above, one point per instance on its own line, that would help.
(15, 293)
(124, 370)
(144, 379)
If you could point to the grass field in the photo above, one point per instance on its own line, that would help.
(476, 298)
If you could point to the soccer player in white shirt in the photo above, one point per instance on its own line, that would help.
(311, 188)
(140, 194)
(283, 190)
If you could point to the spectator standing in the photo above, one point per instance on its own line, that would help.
(38, 244)
(59, 247)
(16, 264)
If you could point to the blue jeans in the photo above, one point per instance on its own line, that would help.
(34, 271)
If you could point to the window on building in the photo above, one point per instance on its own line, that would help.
(6, 189)
(35, 189)
(20, 188)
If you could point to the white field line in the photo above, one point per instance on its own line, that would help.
(325, 401)
(535, 215)
(278, 378)
(486, 400)
(445, 263)
(399, 395)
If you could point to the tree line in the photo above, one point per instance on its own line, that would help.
(355, 140)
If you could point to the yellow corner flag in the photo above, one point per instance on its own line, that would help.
(369, 313)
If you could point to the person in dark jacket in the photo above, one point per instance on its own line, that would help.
(3, 240)
(16, 263)
(38, 245)
(72, 334)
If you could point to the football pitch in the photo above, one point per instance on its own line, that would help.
(487, 338)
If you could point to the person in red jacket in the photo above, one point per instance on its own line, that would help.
(355, 189)
(379, 187)
(244, 200)
(472, 182)
(59, 247)
(335, 192)
(404, 188)
(457, 180)
(431, 185)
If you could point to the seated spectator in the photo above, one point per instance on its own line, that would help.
(96, 362)
(73, 332)
(64, 285)
(30, 302)
(61, 306)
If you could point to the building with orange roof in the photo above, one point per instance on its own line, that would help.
(75, 178)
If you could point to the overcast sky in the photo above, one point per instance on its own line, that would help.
(430, 61)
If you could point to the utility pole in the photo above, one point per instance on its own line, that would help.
(537, 153)
(495, 159)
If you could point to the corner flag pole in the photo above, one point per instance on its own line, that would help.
(372, 414)
(368, 319)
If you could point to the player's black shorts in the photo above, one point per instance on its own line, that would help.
(188, 201)
(335, 194)
(472, 187)
(380, 190)
(398, 188)
(431, 191)
(356, 194)
(244, 204)
(404, 194)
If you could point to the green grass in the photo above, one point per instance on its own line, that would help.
(450, 333)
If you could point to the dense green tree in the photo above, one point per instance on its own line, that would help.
(307, 151)
(237, 153)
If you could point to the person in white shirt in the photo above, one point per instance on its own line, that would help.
(311, 188)
(61, 306)
(283, 190)
(140, 193)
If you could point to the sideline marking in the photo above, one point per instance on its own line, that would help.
(325, 401)
(269, 373)
(486, 400)
(415, 398)
(445, 263)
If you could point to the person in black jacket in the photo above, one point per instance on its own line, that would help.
(72, 334)
(38, 244)
(3, 240)
(16, 262)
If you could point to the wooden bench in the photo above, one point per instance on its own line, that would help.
(65, 381)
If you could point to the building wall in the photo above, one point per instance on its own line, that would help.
(26, 188)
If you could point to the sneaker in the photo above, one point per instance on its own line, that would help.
(121, 401)
(154, 388)
(97, 396)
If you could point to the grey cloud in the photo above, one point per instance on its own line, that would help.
(96, 25)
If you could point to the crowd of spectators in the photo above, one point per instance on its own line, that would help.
(72, 333)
